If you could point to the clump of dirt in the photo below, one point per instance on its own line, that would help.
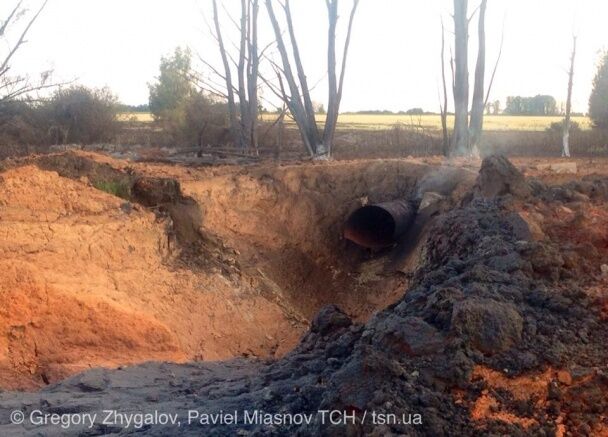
(493, 336)
(498, 177)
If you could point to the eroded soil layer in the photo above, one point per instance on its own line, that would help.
(502, 331)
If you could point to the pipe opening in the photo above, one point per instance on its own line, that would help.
(371, 226)
(377, 226)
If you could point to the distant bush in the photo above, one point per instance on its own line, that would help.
(415, 111)
(81, 115)
(558, 127)
(71, 115)
(21, 122)
(198, 120)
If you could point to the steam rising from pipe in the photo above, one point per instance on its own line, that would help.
(441, 180)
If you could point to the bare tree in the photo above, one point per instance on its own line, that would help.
(478, 102)
(13, 86)
(335, 87)
(298, 98)
(461, 78)
(253, 67)
(496, 104)
(467, 133)
(244, 117)
(566, 131)
(444, 107)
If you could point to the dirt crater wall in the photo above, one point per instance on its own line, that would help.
(260, 252)
(287, 223)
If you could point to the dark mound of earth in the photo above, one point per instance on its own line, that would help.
(480, 298)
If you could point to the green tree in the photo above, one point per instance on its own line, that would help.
(598, 101)
(187, 115)
(173, 86)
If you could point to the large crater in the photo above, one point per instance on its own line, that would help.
(107, 264)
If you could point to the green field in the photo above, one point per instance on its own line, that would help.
(427, 122)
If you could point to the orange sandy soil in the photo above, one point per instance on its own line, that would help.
(532, 390)
(86, 284)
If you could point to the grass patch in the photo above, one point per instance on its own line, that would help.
(120, 189)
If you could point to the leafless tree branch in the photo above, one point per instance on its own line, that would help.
(21, 40)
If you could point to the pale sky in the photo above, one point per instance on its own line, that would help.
(393, 63)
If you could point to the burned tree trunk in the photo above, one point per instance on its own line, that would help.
(242, 89)
(335, 85)
(566, 131)
(243, 117)
(299, 101)
(232, 111)
(311, 122)
(253, 61)
(444, 106)
(478, 103)
(332, 104)
(294, 101)
(461, 78)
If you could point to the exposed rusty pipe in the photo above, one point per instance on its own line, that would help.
(380, 225)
